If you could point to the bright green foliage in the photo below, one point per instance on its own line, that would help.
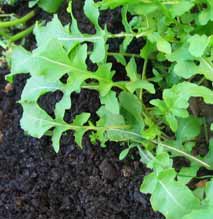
(151, 110)
(50, 6)
(197, 45)
(207, 205)
(175, 101)
(167, 194)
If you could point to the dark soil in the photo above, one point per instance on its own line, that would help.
(36, 183)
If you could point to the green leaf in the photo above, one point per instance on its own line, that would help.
(131, 70)
(186, 174)
(124, 154)
(135, 83)
(20, 61)
(56, 136)
(172, 121)
(175, 101)
(152, 131)
(181, 8)
(206, 211)
(32, 3)
(38, 86)
(115, 121)
(99, 50)
(132, 86)
(80, 120)
(105, 4)
(40, 121)
(188, 128)
(185, 69)
(167, 195)
(53, 30)
(132, 112)
(149, 183)
(198, 44)
(147, 50)
(92, 12)
(50, 6)
(181, 53)
(160, 162)
(164, 46)
(51, 61)
(206, 14)
(111, 102)
(206, 67)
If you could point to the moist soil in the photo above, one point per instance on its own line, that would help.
(37, 183)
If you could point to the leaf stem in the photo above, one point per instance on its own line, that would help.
(22, 20)
(21, 34)
(164, 2)
(123, 34)
(183, 153)
(140, 140)
(91, 38)
(143, 77)
(121, 53)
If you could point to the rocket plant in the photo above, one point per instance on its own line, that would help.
(151, 110)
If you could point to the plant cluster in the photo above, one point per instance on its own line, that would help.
(151, 110)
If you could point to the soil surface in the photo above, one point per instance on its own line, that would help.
(36, 183)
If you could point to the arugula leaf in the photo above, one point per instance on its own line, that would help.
(198, 44)
(38, 86)
(206, 211)
(111, 102)
(132, 112)
(181, 7)
(186, 69)
(186, 174)
(175, 101)
(162, 44)
(206, 14)
(50, 6)
(20, 60)
(53, 30)
(112, 3)
(41, 122)
(167, 194)
(92, 13)
(80, 120)
(188, 129)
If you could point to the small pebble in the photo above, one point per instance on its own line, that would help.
(8, 88)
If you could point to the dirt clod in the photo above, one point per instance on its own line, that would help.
(8, 88)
